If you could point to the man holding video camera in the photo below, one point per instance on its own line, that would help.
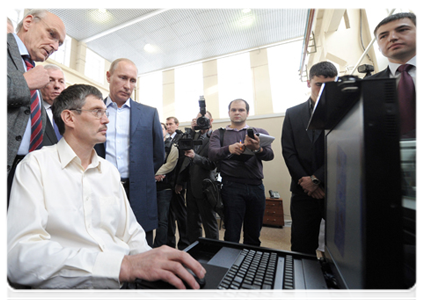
(196, 167)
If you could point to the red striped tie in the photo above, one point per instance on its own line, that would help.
(36, 124)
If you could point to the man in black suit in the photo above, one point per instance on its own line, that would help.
(195, 167)
(303, 151)
(396, 38)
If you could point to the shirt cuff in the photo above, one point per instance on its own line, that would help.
(106, 270)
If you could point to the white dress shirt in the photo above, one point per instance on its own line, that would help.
(118, 136)
(68, 227)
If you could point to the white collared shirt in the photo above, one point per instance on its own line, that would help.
(49, 111)
(394, 73)
(118, 136)
(68, 227)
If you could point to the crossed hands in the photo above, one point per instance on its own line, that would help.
(163, 263)
(311, 189)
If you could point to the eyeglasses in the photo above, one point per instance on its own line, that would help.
(98, 113)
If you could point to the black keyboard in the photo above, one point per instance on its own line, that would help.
(251, 270)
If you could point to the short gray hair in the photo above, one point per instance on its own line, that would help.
(37, 13)
(54, 67)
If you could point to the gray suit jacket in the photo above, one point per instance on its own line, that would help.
(18, 101)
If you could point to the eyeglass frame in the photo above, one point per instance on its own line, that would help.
(94, 112)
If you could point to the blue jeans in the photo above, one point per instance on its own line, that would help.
(163, 204)
(244, 206)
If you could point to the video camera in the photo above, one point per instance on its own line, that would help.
(186, 142)
(202, 122)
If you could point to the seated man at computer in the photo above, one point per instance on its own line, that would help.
(69, 221)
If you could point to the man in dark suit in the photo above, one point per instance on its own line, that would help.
(195, 167)
(396, 38)
(134, 143)
(39, 34)
(303, 151)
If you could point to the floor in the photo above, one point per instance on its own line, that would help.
(271, 237)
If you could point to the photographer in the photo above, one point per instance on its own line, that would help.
(196, 167)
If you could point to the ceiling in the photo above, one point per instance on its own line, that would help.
(179, 36)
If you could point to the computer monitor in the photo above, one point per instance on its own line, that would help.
(364, 232)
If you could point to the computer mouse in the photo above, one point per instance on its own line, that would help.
(201, 281)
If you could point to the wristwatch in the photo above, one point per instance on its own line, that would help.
(315, 180)
(258, 150)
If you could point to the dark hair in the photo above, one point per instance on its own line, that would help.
(174, 120)
(395, 17)
(72, 97)
(323, 68)
(247, 106)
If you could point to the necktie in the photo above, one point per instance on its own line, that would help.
(56, 130)
(407, 100)
(36, 124)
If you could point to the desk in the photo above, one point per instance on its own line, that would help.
(273, 213)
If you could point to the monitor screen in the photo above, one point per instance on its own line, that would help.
(364, 235)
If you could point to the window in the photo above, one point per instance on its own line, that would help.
(94, 66)
(235, 81)
(151, 91)
(188, 89)
(286, 86)
(63, 54)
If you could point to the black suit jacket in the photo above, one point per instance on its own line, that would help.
(302, 149)
(194, 171)
(49, 137)
(386, 74)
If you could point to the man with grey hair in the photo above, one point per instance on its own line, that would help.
(50, 92)
(39, 34)
(69, 224)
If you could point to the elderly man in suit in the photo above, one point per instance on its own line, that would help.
(303, 151)
(56, 85)
(39, 34)
(195, 167)
(134, 143)
(396, 38)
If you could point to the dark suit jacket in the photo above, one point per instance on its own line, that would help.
(386, 74)
(18, 101)
(302, 150)
(49, 137)
(146, 155)
(194, 171)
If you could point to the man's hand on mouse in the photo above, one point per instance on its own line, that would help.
(163, 263)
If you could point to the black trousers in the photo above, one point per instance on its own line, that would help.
(306, 214)
(178, 213)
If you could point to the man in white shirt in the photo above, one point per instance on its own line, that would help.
(56, 85)
(69, 222)
(396, 38)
